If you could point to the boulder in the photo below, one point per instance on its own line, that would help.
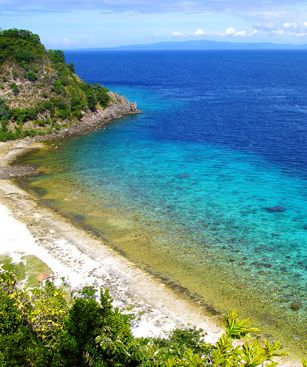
(275, 209)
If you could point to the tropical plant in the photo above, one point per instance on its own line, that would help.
(51, 327)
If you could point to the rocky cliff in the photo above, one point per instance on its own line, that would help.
(41, 95)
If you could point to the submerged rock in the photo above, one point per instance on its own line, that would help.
(259, 264)
(183, 175)
(295, 306)
(275, 209)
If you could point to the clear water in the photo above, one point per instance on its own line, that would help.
(222, 138)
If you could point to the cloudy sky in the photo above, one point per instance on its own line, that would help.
(105, 23)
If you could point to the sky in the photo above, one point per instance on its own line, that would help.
(68, 24)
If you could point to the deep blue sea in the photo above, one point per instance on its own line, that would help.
(217, 161)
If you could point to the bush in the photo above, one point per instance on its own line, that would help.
(56, 56)
(44, 327)
(62, 113)
(43, 122)
(31, 76)
(4, 111)
(71, 67)
(6, 135)
(101, 95)
(14, 89)
(20, 46)
(21, 115)
(90, 96)
(58, 87)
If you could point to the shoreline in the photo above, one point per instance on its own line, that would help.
(83, 260)
(91, 121)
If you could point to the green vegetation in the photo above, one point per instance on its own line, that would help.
(16, 268)
(39, 92)
(49, 326)
(27, 270)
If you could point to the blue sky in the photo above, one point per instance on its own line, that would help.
(106, 23)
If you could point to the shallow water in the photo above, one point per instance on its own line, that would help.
(187, 188)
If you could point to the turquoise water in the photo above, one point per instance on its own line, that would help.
(218, 195)
(205, 163)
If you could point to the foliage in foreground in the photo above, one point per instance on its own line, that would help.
(47, 326)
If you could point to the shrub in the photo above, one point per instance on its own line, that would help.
(58, 87)
(14, 89)
(20, 46)
(62, 113)
(44, 327)
(31, 76)
(4, 111)
(56, 56)
(90, 96)
(21, 115)
(71, 67)
(101, 95)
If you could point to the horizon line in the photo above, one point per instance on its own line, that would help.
(239, 44)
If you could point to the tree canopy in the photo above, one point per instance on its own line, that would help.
(47, 326)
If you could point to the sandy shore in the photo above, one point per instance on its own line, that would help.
(30, 229)
(27, 228)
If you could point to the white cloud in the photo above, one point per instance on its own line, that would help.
(289, 25)
(283, 29)
(177, 34)
(200, 32)
(242, 33)
(245, 33)
(278, 32)
(253, 32)
(232, 32)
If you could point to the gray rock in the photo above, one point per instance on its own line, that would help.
(275, 209)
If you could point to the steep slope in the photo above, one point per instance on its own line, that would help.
(39, 92)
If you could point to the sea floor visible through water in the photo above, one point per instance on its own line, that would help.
(216, 276)
(206, 189)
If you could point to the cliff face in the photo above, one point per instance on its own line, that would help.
(40, 94)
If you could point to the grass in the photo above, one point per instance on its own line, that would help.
(19, 269)
(27, 270)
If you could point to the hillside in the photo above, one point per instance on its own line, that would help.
(39, 92)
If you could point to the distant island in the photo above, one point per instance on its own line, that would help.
(40, 94)
(207, 45)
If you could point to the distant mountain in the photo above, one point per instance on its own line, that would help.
(211, 45)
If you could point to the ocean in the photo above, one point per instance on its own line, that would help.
(206, 188)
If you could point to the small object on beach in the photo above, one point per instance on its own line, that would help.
(295, 306)
(275, 209)
(44, 276)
